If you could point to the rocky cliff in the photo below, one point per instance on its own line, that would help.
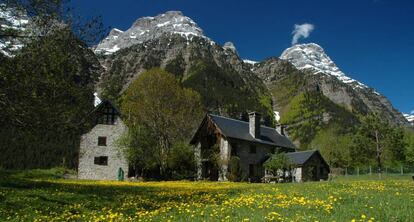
(337, 86)
(174, 42)
(230, 85)
(13, 25)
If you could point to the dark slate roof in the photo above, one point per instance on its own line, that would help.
(240, 130)
(107, 102)
(299, 158)
(98, 107)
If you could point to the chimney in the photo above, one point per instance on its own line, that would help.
(280, 129)
(254, 124)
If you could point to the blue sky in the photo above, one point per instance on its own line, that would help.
(370, 40)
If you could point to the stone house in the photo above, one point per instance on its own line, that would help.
(308, 166)
(251, 142)
(219, 138)
(99, 156)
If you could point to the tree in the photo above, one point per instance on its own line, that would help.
(181, 161)
(304, 113)
(395, 145)
(135, 145)
(46, 90)
(235, 173)
(168, 112)
(334, 145)
(409, 148)
(49, 16)
(376, 137)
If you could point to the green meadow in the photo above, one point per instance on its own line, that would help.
(43, 195)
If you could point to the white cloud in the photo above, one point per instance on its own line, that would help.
(412, 112)
(301, 31)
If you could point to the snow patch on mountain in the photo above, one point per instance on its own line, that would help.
(410, 118)
(13, 22)
(312, 56)
(147, 28)
(230, 46)
(97, 100)
(277, 116)
(249, 61)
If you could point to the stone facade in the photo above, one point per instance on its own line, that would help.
(252, 143)
(313, 170)
(252, 155)
(198, 160)
(297, 174)
(225, 151)
(90, 152)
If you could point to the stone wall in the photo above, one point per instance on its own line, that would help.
(197, 157)
(297, 174)
(314, 170)
(224, 158)
(89, 149)
(246, 158)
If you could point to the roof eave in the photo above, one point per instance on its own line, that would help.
(206, 118)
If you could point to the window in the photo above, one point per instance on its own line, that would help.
(234, 149)
(252, 149)
(101, 160)
(107, 116)
(101, 141)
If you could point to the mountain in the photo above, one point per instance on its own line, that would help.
(311, 94)
(174, 42)
(13, 22)
(312, 58)
(148, 28)
(302, 88)
(410, 118)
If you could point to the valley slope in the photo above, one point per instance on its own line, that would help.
(303, 85)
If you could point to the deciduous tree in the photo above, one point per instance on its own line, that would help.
(167, 111)
(377, 140)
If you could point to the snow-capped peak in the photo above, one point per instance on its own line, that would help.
(312, 56)
(230, 46)
(147, 28)
(410, 118)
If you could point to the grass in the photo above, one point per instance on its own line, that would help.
(45, 196)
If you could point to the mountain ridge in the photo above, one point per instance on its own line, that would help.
(175, 23)
(175, 32)
(13, 22)
(312, 57)
(147, 28)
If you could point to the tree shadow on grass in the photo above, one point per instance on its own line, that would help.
(59, 194)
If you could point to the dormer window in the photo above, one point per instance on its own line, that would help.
(107, 116)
